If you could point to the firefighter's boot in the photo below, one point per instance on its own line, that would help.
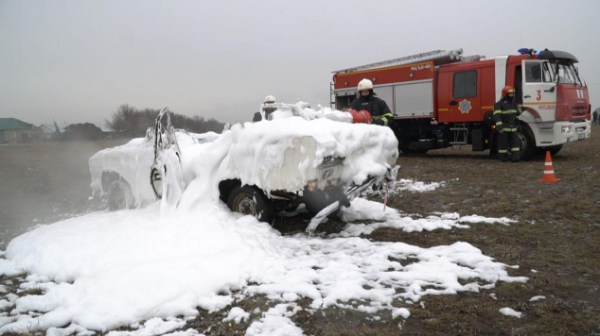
(515, 157)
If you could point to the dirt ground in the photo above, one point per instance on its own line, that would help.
(557, 234)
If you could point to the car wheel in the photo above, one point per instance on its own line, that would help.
(317, 200)
(119, 196)
(249, 200)
(156, 181)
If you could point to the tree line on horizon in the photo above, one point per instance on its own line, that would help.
(129, 121)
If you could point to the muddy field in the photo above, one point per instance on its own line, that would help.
(43, 183)
(557, 235)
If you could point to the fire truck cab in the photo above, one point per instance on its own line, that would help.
(442, 98)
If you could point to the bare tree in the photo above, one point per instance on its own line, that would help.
(130, 122)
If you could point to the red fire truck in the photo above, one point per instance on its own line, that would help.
(442, 98)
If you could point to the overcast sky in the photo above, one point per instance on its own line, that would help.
(77, 61)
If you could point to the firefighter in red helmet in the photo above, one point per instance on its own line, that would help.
(506, 112)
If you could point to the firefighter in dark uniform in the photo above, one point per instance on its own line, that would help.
(380, 112)
(506, 112)
(268, 100)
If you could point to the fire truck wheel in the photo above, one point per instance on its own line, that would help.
(415, 152)
(553, 149)
(527, 144)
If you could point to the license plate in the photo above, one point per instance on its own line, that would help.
(581, 136)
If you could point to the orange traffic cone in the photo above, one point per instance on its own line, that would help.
(549, 170)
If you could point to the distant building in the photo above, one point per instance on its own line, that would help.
(13, 130)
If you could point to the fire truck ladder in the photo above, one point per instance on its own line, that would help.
(439, 57)
(460, 134)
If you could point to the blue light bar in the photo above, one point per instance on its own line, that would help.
(523, 51)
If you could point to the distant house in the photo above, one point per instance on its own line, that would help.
(13, 130)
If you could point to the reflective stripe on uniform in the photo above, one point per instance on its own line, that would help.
(502, 151)
(498, 112)
(510, 129)
(499, 123)
(384, 118)
(515, 149)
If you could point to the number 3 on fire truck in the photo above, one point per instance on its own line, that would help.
(539, 95)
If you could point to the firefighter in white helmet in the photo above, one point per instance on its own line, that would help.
(268, 110)
(379, 110)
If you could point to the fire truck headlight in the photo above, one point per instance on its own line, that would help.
(565, 129)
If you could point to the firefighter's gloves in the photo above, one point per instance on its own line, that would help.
(379, 121)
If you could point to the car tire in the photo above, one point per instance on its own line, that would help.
(119, 196)
(156, 180)
(317, 200)
(249, 200)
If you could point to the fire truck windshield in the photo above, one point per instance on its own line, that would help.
(565, 71)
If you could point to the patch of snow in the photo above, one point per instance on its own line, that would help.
(480, 219)
(272, 325)
(510, 312)
(5, 304)
(276, 322)
(416, 186)
(405, 313)
(533, 271)
(189, 332)
(9, 268)
(362, 209)
(289, 296)
(493, 296)
(237, 314)
(3, 289)
(154, 326)
(24, 324)
(73, 329)
(537, 298)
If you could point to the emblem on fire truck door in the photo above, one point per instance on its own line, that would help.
(464, 106)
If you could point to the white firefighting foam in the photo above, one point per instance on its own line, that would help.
(107, 270)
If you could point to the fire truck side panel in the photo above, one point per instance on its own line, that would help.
(488, 94)
(443, 96)
(408, 89)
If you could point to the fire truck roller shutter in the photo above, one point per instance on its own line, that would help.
(387, 94)
(414, 99)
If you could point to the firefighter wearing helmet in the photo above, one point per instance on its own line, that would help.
(379, 110)
(268, 110)
(506, 112)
